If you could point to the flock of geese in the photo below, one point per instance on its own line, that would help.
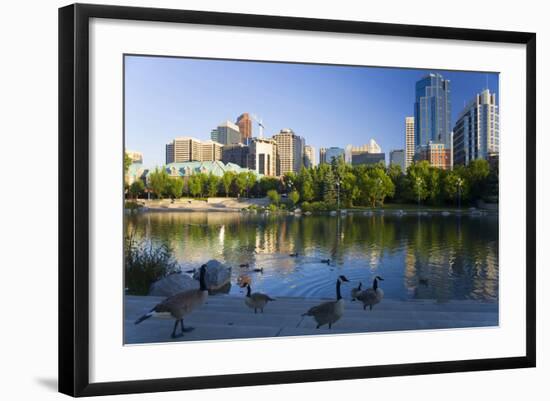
(178, 306)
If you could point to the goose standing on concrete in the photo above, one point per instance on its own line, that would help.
(355, 291)
(371, 296)
(256, 300)
(180, 305)
(329, 312)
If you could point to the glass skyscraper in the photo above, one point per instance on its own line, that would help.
(432, 111)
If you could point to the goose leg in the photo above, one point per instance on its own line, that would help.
(330, 325)
(371, 307)
(186, 329)
(174, 331)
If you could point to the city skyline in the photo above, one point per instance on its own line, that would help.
(329, 106)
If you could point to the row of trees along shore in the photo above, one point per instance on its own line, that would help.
(324, 186)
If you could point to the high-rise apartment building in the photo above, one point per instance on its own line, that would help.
(397, 157)
(476, 132)
(309, 156)
(409, 141)
(226, 133)
(290, 151)
(432, 111)
(186, 149)
(244, 122)
(262, 156)
(210, 151)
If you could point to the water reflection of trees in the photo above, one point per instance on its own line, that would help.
(439, 256)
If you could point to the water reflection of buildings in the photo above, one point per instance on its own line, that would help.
(455, 259)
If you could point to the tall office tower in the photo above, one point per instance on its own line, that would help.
(183, 149)
(397, 157)
(169, 152)
(136, 157)
(327, 154)
(367, 158)
(244, 123)
(322, 155)
(476, 132)
(227, 133)
(290, 151)
(262, 156)
(215, 135)
(436, 154)
(432, 111)
(210, 151)
(409, 141)
(309, 156)
(236, 153)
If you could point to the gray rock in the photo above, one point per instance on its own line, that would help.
(173, 284)
(218, 275)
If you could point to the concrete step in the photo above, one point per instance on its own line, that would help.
(226, 317)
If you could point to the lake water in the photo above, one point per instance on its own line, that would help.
(419, 257)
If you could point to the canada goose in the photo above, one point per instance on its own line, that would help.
(259, 270)
(180, 305)
(256, 300)
(244, 265)
(355, 291)
(327, 261)
(293, 255)
(371, 296)
(329, 312)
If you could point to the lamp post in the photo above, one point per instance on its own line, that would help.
(459, 183)
(418, 183)
(338, 195)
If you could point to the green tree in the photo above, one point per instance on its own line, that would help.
(157, 181)
(241, 181)
(274, 196)
(267, 183)
(174, 187)
(212, 185)
(329, 187)
(455, 187)
(477, 173)
(349, 191)
(306, 185)
(136, 188)
(194, 185)
(127, 163)
(227, 180)
(294, 197)
(250, 181)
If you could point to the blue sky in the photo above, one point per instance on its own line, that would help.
(328, 105)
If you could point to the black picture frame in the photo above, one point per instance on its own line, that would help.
(74, 198)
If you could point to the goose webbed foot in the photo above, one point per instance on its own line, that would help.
(185, 329)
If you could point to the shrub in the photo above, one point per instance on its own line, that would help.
(306, 206)
(145, 263)
(273, 196)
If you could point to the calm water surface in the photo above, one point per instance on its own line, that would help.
(420, 257)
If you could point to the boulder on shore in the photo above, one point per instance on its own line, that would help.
(173, 284)
(218, 275)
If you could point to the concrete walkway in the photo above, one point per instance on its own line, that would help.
(226, 317)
